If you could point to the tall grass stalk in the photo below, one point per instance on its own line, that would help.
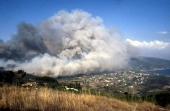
(44, 99)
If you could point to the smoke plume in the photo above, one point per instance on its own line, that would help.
(65, 44)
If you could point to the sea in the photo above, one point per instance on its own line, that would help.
(163, 72)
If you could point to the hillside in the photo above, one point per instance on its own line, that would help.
(18, 98)
(148, 63)
(15, 98)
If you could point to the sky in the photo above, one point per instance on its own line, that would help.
(144, 24)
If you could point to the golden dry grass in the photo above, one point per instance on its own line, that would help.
(16, 98)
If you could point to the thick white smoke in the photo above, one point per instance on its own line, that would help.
(157, 49)
(73, 43)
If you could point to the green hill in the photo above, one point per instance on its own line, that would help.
(148, 63)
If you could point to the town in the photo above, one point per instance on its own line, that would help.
(132, 82)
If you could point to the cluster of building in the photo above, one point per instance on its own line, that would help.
(120, 81)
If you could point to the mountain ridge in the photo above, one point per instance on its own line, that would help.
(148, 63)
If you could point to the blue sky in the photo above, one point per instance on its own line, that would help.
(137, 20)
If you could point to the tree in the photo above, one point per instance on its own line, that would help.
(19, 76)
(6, 77)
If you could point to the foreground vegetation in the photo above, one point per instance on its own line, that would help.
(18, 98)
(49, 94)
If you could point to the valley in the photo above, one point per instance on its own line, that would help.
(119, 82)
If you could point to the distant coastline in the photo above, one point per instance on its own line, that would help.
(161, 71)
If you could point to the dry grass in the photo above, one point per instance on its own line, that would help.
(15, 98)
